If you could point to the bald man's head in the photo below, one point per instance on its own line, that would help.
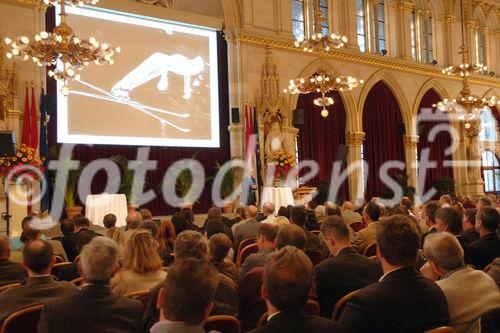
(251, 212)
(37, 257)
(347, 205)
(4, 247)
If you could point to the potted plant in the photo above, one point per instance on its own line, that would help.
(70, 193)
(228, 185)
(183, 185)
(127, 181)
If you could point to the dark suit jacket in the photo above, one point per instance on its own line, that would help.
(284, 322)
(34, 290)
(485, 250)
(404, 301)
(69, 243)
(247, 229)
(94, 309)
(312, 244)
(469, 236)
(11, 272)
(69, 273)
(251, 304)
(258, 259)
(430, 231)
(338, 276)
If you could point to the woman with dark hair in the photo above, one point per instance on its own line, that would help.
(166, 239)
(284, 211)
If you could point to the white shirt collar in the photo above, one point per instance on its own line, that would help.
(274, 314)
(389, 272)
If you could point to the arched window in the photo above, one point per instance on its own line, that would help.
(480, 47)
(303, 17)
(426, 30)
(298, 18)
(488, 126)
(491, 172)
(422, 48)
(371, 25)
(413, 31)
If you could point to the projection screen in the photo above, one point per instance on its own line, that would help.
(161, 91)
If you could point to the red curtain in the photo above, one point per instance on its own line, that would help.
(165, 156)
(319, 138)
(384, 128)
(437, 147)
(496, 114)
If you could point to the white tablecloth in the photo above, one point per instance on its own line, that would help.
(279, 196)
(98, 205)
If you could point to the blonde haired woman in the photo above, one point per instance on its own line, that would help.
(141, 265)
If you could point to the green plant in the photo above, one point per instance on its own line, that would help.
(445, 185)
(402, 180)
(127, 178)
(71, 187)
(229, 179)
(184, 182)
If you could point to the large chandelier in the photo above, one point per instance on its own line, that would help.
(322, 82)
(62, 45)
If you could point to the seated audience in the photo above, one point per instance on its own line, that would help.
(186, 298)
(403, 300)
(284, 211)
(348, 214)
(346, 271)
(180, 222)
(117, 234)
(94, 308)
(141, 265)
(282, 221)
(133, 221)
(469, 233)
(469, 293)
(494, 271)
(216, 213)
(31, 233)
(320, 212)
(188, 215)
(10, 272)
(483, 202)
(487, 248)
(146, 214)
(407, 205)
(429, 217)
(445, 201)
(214, 226)
(67, 230)
(70, 272)
(109, 221)
(166, 239)
(265, 241)
(299, 218)
(450, 220)
(312, 220)
(332, 209)
(246, 229)
(268, 210)
(367, 236)
(150, 226)
(40, 286)
(16, 243)
(218, 248)
(286, 285)
(80, 223)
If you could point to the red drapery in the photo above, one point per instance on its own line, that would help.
(384, 128)
(436, 147)
(319, 138)
(165, 156)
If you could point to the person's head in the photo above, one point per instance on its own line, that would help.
(190, 244)
(241, 211)
(251, 212)
(487, 220)
(214, 226)
(38, 257)
(67, 227)
(284, 211)
(187, 214)
(320, 212)
(429, 213)
(444, 252)
(298, 216)
(266, 235)
(347, 205)
(116, 234)
(218, 247)
(214, 213)
(396, 210)
(145, 214)
(84, 237)
(445, 200)
(291, 235)
(469, 218)
(188, 292)
(26, 222)
(150, 226)
(406, 203)
(336, 234)
(140, 255)
(449, 219)
(30, 234)
(268, 208)
(312, 205)
(109, 221)
(166, 236)
(398, 241)
(179, 222)
(483, 202)
(332, 210)
(371, 212)
(287, 280)
(133, 220)
(4, 246)
(99, 260)
(81, 222)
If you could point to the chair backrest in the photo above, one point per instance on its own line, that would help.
(245, 243)
(142, 295)
(58, 267)
(223, 324)
(78, 281)
(442, 329)
(59, 259)
(9, 286)
(316, 232)
(488, 267)
(245, 252)
(357, 226)
(315, 256)
(340, 305)
(371, 250)
(24, 320)
(374, 258)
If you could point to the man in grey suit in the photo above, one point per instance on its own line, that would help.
(10, 272)
(40, 286)
(247, 229)
(265, 241)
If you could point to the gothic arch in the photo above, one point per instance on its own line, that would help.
(395, 87)
(429, 84)
(347, 97)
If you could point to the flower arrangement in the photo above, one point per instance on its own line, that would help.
(283, 163)
(23, 164)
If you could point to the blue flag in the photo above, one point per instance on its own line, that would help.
(44, 151)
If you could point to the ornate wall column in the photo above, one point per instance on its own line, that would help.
(447, 22)
(354, 141)
(495, 53)
(474, 185)
(403, 12)
(411, 142)
(348, 24)
(470, 38)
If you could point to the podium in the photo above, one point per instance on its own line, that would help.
(304, 194)
(98, 205)
(279, 196)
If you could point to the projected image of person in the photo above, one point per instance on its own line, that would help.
(159, 65)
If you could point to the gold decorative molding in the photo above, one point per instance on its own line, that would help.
(404, 6)
(362, 58)
(162, 3)
(496, 34)
(471, 25)
(29, 3)
(426, 13)
(411, 141)
(355, 138)
(449, 19)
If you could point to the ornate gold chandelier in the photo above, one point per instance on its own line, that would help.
(322, 82)
(62, 45)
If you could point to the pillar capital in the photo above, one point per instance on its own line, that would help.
(355, 138)
(411, 141)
